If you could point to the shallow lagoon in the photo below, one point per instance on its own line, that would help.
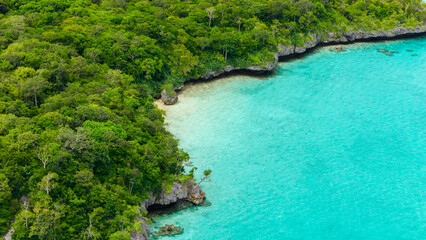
(331, 147)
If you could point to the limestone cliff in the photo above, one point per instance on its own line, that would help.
(189, 192)
(291, 50)
(315, 40)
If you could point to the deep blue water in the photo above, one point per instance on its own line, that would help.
(331, 147)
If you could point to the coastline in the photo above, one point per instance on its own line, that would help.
(298, 81)
(228, 120)
(282, 57)
(289, 52)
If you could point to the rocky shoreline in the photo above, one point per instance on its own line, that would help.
(193, 193)
(179, 192)
(316, 41)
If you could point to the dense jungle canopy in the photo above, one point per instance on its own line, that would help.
(81, 142)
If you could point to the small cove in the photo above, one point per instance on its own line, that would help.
(331, 147)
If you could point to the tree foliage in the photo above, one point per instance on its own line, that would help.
(82, 143)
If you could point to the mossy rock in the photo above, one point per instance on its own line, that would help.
(167, 230)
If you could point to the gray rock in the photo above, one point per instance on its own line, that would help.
(289, 50)
(190, 192)
(213, 74)
(178, 89)
(9, 234)
(195, 194)
(168, 230)
(269, 67)
(25, 200)
(339, 48)
(169, 99)
(299, 49)
(144, 234)
(177, 192)
(363, 35)
(285, 50)
(229, 68)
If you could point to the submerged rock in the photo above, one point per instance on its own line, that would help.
(168, 230)
(389, 53)
(169, 98)
(339, 48)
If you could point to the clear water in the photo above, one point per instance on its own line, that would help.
(332, 147)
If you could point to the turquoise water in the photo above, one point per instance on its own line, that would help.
(331, 147)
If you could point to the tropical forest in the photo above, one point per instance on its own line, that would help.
(82, 143)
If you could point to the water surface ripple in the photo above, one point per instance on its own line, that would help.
(332, 147)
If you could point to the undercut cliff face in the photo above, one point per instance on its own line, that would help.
(318, 40)
(315, 40)
(179, 192)
(190, 192)
(373, 35)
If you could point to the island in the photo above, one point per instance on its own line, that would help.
(84, 150)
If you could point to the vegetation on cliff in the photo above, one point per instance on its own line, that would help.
(81, 141)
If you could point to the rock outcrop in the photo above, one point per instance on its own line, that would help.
(363, 35)
(9, 234)
(315, 39)
(190, 192)
(25, 200)
(195, 194)
(169, 98)
(144, 234)
(285, 50)
(339, 48)
(168, 230)
(254, 69)
(213, 74)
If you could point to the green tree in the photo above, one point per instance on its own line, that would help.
(48, 153)
(48, 183)
(210, 14)
(120, 235)
(5, 198)
(206, 174)
(34, 87)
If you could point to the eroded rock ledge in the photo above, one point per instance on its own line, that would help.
(317, 40)
(190, 192)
